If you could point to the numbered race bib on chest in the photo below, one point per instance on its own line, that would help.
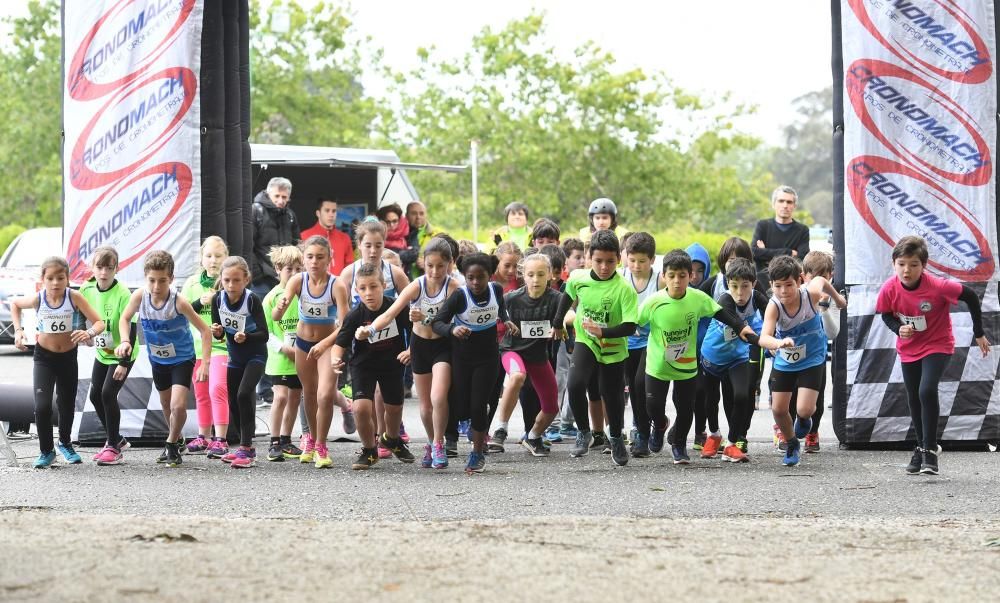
(289, 340)
(104, 341)
(430, 309)
(919, 323)
(536, 329)
(385, 334)
(58, 323)
(231, 321)
(675, 351)
(162, 351)
(793, 354)
(483, 316)
(314, 309)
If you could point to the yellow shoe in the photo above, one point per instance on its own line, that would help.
(308, 449)
(323, 457)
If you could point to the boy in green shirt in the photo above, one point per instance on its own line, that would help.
(672, 315)
(605, 317)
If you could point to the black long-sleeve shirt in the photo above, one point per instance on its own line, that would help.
(387, 344)
(255, 345)
(480, 345)
(778, 242)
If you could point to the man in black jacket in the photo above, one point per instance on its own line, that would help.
(780, 235)
(274, 223)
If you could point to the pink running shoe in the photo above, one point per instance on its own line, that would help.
(217, 448)
(383, 453)
(402, 433)
(308, 446)
(108, 456)
(242, 458)
(198, 445)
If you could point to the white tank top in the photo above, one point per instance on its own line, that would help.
(55, 320)
(476, 317)
(320, 309)
(430, 305)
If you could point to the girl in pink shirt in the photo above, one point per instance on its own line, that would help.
(916, 306)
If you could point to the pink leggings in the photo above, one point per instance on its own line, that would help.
(543, 379)
(212, 396)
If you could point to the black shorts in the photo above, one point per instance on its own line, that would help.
(425, 353)
(166, 376)
(289, 381)
(788, 382)
(388, 377)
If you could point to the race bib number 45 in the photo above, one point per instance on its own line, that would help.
(162, 351)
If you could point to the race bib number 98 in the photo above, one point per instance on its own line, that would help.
(233, 322)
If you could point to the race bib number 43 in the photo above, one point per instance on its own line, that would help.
(314, 310)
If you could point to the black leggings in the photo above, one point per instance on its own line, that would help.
(656, 404)
(921, 379)
(703, 411)
(242, 391)
(635, 374)
(474, 387)
(736, 387)
(611, 380)
(104, 390)
(820, 403)
(54, 371)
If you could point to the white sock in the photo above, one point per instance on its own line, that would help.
(532, 435)
(502, 425)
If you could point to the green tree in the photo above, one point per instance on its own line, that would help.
(305, 82)
(31, 129)
(805, 162)
(558, 133)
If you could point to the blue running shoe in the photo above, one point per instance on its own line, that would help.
(802, 427)
(428, 459)
(656, 439)
(463, 427)
(568, 431)
(477, 462)
(791, 453)
(68, 453)
(439, 457)
(680, 454)
(45, 460)
(553, 435)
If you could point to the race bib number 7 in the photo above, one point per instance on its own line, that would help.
(675, 351)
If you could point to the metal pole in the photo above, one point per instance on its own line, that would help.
(475, 190)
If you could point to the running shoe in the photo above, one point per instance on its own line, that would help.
(584, 441)
(68, 453)
(743, 445)
(174, 455)
(181, 447)
(477, 462)
(348, 422)
(497, 441)
(656, 439)
(109, 456)
(230, 456)
(640, 446)
(323, 460)
(711, 447)
(440, 457)
(568, 431)
(428, 461)
(463, 427)
(779, 441)
(733, 454)
(308, 448)
(365, 460)
(812, 443)
(398, 448)
(245, 458)
(680, 455)
(163, 455)
(383, 452)
(670, 435)
(402, 433)
(198, 445)
(802, 427)
(535, 446)
(124, 444)
(45, 460)
(553, 435)
(600, 440)
(619, 453)
(290, 451)
(915, 461)
(791, 453)
(929, 466)
(451, 448)
(274, 453)
(699, 440)
(217, 448)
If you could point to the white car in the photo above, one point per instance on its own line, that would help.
(19, 274)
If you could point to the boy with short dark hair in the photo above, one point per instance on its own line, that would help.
(671, 356)
(544, 232)
(794, 329)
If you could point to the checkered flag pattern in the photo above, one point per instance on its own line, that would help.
(142, 415)
(877, 409)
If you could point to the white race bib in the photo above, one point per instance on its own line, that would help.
(919, 323)
(675, 351)
(62, 323)
(162, 351)
(482, 316)
(429, 309)
(231, 321)
(289, 340)
(314, 309)
(387, 333)
(104, 341)
(536, 329)
(794, 353)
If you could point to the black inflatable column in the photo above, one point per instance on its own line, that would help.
(839, 364)
(213, 181)
(233, 135)
(245, 115)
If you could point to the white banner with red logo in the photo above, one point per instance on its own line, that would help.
(132, 124)
(919, 135)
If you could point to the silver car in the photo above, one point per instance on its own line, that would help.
(19, 269)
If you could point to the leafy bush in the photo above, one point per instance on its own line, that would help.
(8, 234)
